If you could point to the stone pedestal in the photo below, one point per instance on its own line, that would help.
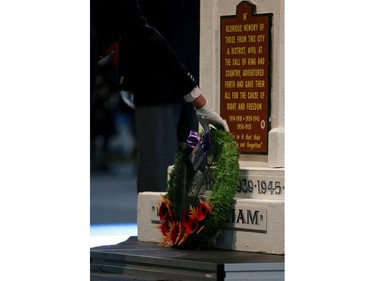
(257, 223)
(257, 226)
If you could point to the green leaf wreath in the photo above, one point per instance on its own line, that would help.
(199, 202)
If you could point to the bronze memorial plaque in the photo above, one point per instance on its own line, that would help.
(245, 77)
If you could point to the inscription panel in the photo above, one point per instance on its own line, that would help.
(243, 216)
(245, 77)
(261, 185)
(248, 218)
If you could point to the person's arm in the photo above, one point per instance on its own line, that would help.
(199, 102)
(152, 55)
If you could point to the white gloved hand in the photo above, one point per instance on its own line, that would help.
(207, 115)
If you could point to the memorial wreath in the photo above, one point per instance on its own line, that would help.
(201, 188)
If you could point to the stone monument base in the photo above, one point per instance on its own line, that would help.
(257, 225)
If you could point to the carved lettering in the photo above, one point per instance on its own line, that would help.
(246, 217)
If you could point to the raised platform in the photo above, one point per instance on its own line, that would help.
(150, 260)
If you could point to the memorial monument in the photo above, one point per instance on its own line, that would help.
(242, 76)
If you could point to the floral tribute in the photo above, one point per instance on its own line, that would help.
(200, 192)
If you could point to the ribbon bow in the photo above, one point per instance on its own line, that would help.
(197, 148)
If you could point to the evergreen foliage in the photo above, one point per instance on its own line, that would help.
(221, 176)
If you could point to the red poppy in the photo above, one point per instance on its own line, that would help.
(194, 212)
(203, 210)
(174, 233)
(177, 232)
(191, 225)
(165, 228)
(165, 210)
(170, 237)
(180, 233)
(185, 217)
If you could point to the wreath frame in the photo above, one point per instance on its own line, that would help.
(177, 204)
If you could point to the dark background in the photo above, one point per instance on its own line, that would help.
(113, 193)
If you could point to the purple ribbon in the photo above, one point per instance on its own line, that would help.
(194, 138)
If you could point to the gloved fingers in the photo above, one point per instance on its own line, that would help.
(206, 127)
(203, 121)
(213, 119)
(222, 126)
(207, 115)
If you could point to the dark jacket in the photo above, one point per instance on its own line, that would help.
(146, 58)
(178, 22)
